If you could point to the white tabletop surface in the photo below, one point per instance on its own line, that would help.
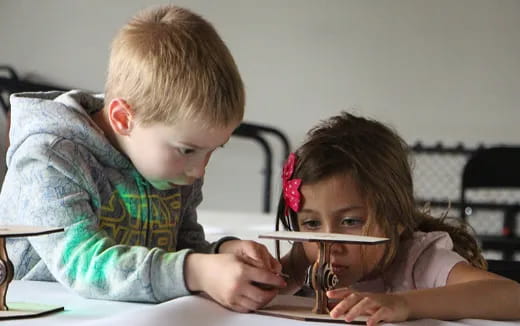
(245, 225)
(190, 310)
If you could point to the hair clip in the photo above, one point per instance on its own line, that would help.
(291, 192)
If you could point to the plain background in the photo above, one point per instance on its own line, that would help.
(438, 70)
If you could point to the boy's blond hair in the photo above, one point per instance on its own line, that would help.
(168, 63)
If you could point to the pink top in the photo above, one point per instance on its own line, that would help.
(424, 261)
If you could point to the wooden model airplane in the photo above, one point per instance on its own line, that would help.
(19, 310)
(322, 277)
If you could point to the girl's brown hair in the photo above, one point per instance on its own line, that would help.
(377, 158)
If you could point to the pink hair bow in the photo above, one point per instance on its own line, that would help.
(291, 193)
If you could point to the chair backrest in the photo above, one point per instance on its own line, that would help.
(494, 168)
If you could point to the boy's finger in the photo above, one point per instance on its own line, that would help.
(260, 294)
(252, 261)
(273, 280)
(265, 277)
(266, 261)
(249, 303)
(276, 267)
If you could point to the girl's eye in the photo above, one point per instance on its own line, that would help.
(185, 151)
(311, 224)
(352, 222)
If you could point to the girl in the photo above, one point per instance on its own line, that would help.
(352, 176)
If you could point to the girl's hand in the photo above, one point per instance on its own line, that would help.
(380, 307)
(228, 279)
(253, 253)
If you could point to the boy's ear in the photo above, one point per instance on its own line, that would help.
(121, 116)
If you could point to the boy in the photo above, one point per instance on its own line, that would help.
(123, 173)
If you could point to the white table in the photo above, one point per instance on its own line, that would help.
(77, 308)
(245, 225)
(191, 310)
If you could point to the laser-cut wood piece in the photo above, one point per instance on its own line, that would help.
(299, 308)
(19, 310)
(322, 276)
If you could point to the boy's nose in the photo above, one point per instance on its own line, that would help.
(198, 169)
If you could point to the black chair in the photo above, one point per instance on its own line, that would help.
(11, 83)
(494, 168)
(509, 269)
(257, 133)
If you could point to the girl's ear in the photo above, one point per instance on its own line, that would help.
(120, 116)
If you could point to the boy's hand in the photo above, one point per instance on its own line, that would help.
(228, 279)
(380, 307)
(253, 253)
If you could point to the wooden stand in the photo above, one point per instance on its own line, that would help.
(19, 310)
(322, 278)
(6, 273)
(322, 275)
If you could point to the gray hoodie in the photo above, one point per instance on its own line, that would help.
(123, 239)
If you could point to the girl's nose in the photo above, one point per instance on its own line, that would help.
(338, 249)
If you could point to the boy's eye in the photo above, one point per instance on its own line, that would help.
(352, 222)
(185, 151)
(311, 224)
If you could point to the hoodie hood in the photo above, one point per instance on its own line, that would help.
(65, 115)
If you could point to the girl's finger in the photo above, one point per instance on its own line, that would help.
(339, 293)
(378, 316)
(359, 309)
(345, 305)
(332, 303)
